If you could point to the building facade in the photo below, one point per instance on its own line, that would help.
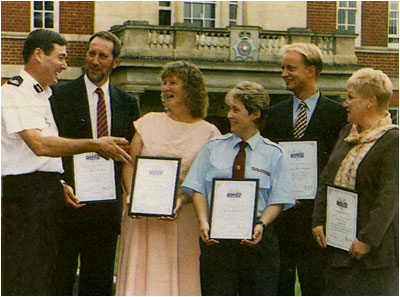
(230, 41)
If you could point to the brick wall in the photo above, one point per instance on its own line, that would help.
(388, 63)
(374, 23)
(76, 17)
(11, 51)
(9, 11)
(321, 16)
(76, 53)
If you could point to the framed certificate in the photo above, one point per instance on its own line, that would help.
(303, 164)
(154, 186)
(94, 178)
(233, 208)
(341, 217)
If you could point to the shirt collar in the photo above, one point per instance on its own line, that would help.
(28, 79)
(91, 87)
(310, 102)
(252, 142)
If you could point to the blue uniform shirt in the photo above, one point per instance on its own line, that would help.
(265, 161)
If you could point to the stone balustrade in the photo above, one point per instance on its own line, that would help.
(233, 44)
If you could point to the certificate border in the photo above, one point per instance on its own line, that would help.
(133, 186)
(107, 200)
(317, 173)
(326, 215)
(215, 180)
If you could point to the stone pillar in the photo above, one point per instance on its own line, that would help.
(344, 48)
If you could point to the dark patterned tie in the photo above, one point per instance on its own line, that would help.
(240, 162)
(301, 122)
(102, 127)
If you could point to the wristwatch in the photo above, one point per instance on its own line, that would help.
(259, 222)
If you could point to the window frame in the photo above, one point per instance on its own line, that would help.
(56, 15)
(170, 8)
(357, 25)
(203, 19)
(393, 44)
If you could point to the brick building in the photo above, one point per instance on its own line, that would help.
(352, 34)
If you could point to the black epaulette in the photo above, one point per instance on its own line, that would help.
(16, 81)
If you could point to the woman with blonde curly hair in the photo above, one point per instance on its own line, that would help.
(160, 256)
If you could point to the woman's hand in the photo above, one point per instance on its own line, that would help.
(359, 249)
(177, 208)
(319, 236)
(257, 236)
(204, 231)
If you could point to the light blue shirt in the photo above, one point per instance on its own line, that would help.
(265, 161)
(311, 105)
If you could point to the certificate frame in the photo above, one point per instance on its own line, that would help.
(94, 178)
(155, 184)
(341, 216)
(228, 188)
(304, 175)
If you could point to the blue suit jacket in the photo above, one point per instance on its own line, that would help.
(70, 108)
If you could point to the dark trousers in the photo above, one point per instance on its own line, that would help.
(357, 281)
(229, 268)
(30, 241)
(298, 250)
(96, 248)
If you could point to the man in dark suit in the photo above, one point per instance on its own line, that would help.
(319, 119)
(91, 231)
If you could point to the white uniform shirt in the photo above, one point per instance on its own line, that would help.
(93, 98)
(25, 106)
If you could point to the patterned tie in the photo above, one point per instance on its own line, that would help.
(240, 161)
(102, 127)
(301, 122)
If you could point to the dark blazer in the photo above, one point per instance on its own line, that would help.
(71, 112)
(377, 184)
(328, 118)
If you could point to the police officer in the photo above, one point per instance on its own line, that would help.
(32, 194)
(242, 267)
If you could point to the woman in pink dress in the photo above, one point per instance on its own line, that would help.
(160, 256)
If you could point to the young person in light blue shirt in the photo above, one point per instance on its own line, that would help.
(242, 267)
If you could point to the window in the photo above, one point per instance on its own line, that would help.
(164, 13)
(200, 13)
(393, 24)
(394, 112)
(45, 15)
(233, 13)
(347, 12)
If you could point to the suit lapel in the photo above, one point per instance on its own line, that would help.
(80, 104)
(317, 118)
(116, 111)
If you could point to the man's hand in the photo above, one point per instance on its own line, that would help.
(70, 198)
(318, 233)
(113, 147)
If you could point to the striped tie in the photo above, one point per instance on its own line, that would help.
(102, 128)
(301, 122)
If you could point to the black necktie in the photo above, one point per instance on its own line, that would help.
(240, 162)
